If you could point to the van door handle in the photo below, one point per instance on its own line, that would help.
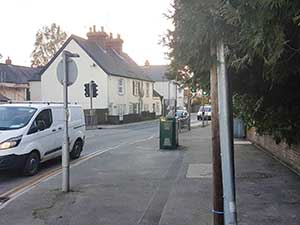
(60, 128)
(53, 130)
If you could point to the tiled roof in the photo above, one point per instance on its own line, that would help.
(156, 72)
(16, 74)
(109, 60)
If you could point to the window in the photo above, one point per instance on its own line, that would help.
(133, 87)
(121, 86)
(136, 87)
(42, 122)
(46, 117)
(147, 89)
(130, 108)
(122, 109)
(27, 97)
(136, 108)
(12, 118)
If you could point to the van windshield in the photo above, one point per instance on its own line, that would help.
(206, 109)
(14, 117)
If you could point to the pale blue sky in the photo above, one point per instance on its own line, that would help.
(140, 23)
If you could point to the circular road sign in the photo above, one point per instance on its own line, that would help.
(72, 72)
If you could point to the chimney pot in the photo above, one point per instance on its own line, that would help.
(119, 36)
(8, 61)
(94, 28)
(147, 63)
(91, 29)
(110, 35)
(102, 29)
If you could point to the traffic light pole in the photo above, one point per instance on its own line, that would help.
(91, 95)
(91, 103)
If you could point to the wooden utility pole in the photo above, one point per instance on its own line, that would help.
(218, 215)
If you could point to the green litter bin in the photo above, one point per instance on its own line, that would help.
(168, 133)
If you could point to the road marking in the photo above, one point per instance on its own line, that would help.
(16, 192)
(142, 140)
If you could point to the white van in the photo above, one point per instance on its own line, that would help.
(204, 111)
(31, 133)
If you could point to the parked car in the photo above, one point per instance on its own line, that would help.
(204, 111)
(183, 117)
(33, 133)
(181, 114)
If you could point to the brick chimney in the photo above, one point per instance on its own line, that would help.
(8, 61)
(115, 43)
(97, 36)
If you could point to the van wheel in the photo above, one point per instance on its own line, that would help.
(32, 164)
(77, 149)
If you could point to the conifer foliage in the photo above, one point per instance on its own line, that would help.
(262, 39)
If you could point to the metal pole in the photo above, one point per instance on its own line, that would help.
(218, 210)
(91, 95)
(189, 110)
(175, 105)
(203, 110)
(91, 104)
(226, 140)
(169, 95)
(65, 152)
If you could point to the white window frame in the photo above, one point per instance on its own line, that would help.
(147, 89)
(121, 86)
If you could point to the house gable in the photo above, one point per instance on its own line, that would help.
(88, 70)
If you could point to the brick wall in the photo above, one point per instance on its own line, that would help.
(286, 154)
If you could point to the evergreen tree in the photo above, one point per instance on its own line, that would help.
(48, 40)
(262, 39)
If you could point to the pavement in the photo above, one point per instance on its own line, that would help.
(138, 184)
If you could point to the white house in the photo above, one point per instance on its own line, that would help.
(123, 88)
(165, 87)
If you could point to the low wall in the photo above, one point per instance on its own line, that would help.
(98, 116)
(286, 154)
(130, 118)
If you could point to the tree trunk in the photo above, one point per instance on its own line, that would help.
(218, 216)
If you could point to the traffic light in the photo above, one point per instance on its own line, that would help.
(193, 90)
(94, 89)
(87, 90)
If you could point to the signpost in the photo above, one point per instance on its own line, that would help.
(66, 74)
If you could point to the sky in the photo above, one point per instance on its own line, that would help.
(140, 23)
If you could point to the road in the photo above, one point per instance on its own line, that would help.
(95, 141)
